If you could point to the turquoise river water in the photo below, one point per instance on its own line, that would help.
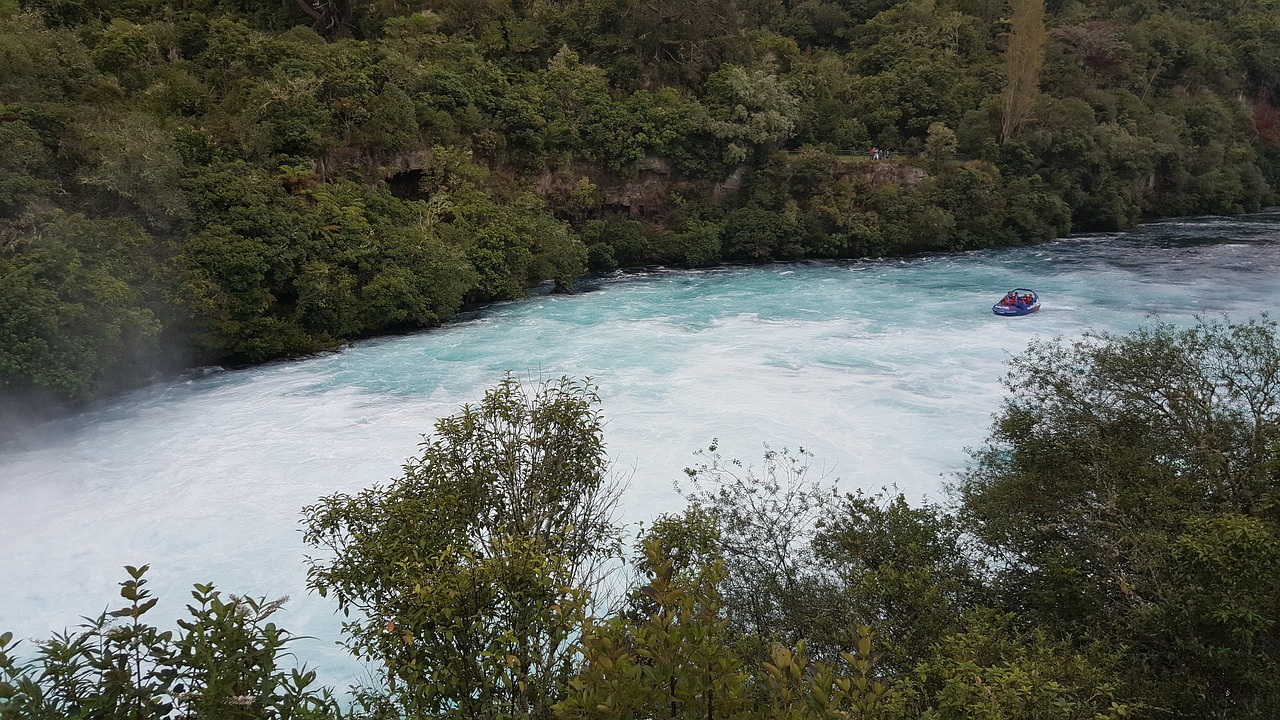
(885, 370)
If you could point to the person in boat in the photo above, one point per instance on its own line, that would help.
(1009, 299)
(1027, 299)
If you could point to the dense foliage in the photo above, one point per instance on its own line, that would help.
(223, 662)
(1113, 552)
(471, 572)
(1129, 492)
(226, 182)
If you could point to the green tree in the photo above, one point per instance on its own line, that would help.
(81, 308)
(39, 64)
(24, 169)
(470, 574)
(765, 520)
(940, 143)
(420, 281)
(672, 662)
(672, 658)
(1128, 493)
(135, 160)
(990, 669)
(907, 571)
(616, 241)
(750, 109)
(754, 234)
(1023, 59)
(516, 245)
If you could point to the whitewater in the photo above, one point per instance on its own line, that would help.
(885, 370)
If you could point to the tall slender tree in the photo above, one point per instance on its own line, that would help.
(1023, 59)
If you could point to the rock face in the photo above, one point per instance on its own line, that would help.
(647, 193)
(642, 191)
(730, 185)
(882, 172)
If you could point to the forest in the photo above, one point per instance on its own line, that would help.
(223, 182)
(1111, 551)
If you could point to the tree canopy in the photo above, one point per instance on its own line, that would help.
(469, 575)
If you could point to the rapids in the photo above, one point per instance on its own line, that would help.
(886, 370)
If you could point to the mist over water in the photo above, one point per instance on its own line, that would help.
(885, 370)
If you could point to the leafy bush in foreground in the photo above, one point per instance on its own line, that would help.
(223, 663)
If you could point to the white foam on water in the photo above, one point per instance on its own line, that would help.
(886, 371)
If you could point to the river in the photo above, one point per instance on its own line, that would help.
(886, 370)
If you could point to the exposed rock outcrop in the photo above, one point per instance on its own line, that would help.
(882, 172)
